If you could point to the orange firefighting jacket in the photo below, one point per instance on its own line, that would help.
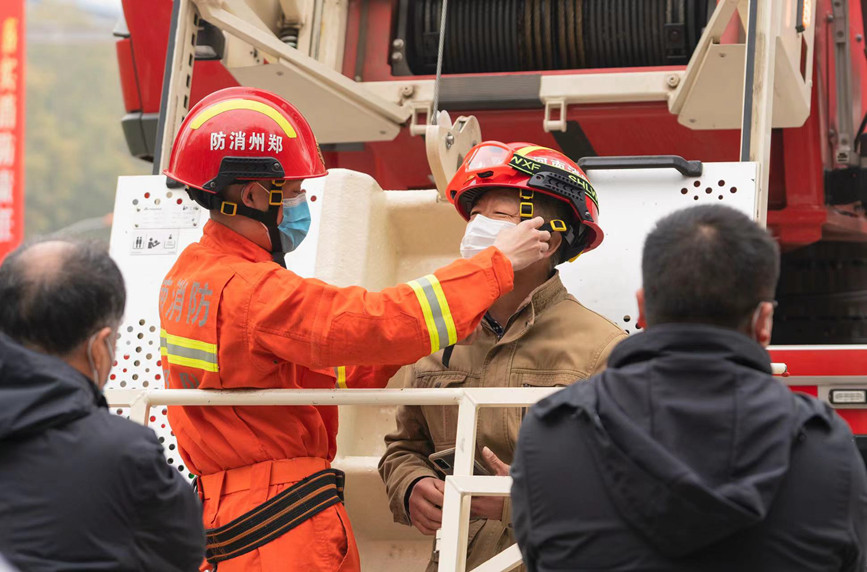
(232, 319)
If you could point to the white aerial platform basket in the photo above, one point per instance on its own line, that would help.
(373, 238)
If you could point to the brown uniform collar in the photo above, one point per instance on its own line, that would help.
(545, 295)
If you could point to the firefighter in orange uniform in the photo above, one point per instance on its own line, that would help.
(233, 317)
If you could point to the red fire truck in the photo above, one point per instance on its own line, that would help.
(589, 77)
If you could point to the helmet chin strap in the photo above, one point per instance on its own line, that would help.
(277, 255)
(267, 218)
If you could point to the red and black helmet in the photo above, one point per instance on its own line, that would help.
(531, 169)
(243, 134)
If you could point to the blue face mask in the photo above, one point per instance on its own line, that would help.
(296, 222)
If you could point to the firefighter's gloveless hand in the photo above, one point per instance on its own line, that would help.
(524, 244)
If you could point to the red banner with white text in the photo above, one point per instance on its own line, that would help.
(11, 124)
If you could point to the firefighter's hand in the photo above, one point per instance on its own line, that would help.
(425, 505)
(490, 507)
(524, 244)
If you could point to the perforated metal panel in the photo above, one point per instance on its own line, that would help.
(630, 203)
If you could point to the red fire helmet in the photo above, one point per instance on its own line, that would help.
(243, 134)
(530, 168)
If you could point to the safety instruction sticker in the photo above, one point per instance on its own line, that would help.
(166, 214)
(154, 241)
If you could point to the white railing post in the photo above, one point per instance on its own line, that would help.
(465, 445)
(505, 561)
(140, 409)
(456, 505)
(453, 543)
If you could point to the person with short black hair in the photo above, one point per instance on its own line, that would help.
(709, 265)
(685, 454)
(80, 488)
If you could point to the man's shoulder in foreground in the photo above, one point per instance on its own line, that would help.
(87, 489)
(685, 467)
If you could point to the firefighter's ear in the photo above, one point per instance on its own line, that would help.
(248, 197)
(255, 196)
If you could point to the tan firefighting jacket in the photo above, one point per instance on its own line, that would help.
(552, 340)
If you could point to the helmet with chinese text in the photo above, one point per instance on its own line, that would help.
(531, 169)
(243, 134)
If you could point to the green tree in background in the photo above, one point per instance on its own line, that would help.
(75, 148)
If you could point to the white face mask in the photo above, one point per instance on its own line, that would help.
(481, 233)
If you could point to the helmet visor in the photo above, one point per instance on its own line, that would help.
(488, 156)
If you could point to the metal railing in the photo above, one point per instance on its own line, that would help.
(459, 487)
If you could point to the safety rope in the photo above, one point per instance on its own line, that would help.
(436, 95)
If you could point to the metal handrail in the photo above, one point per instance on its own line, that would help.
(459, 487)
(140, 401)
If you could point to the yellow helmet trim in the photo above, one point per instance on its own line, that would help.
(523, 152)
(232, 104)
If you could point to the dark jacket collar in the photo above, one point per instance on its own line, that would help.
(696, 339)
(38, 391)
(689, 432)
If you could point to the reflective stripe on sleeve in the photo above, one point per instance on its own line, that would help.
(435, 307)
(188, 352)
(340, 373)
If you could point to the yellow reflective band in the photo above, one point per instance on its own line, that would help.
(340, 372)
(187, 352)
(437, 315)
(523, 152)
(191, 362)
(232, 104)
(428, 315)
(188, 342)
(444, 308)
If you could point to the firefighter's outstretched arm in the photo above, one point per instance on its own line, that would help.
(314, 324)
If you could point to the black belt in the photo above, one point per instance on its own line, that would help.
(278, 515)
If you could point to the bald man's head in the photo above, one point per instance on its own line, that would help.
(55, 294)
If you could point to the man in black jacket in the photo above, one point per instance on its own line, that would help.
(685, 454)
(80, 488)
